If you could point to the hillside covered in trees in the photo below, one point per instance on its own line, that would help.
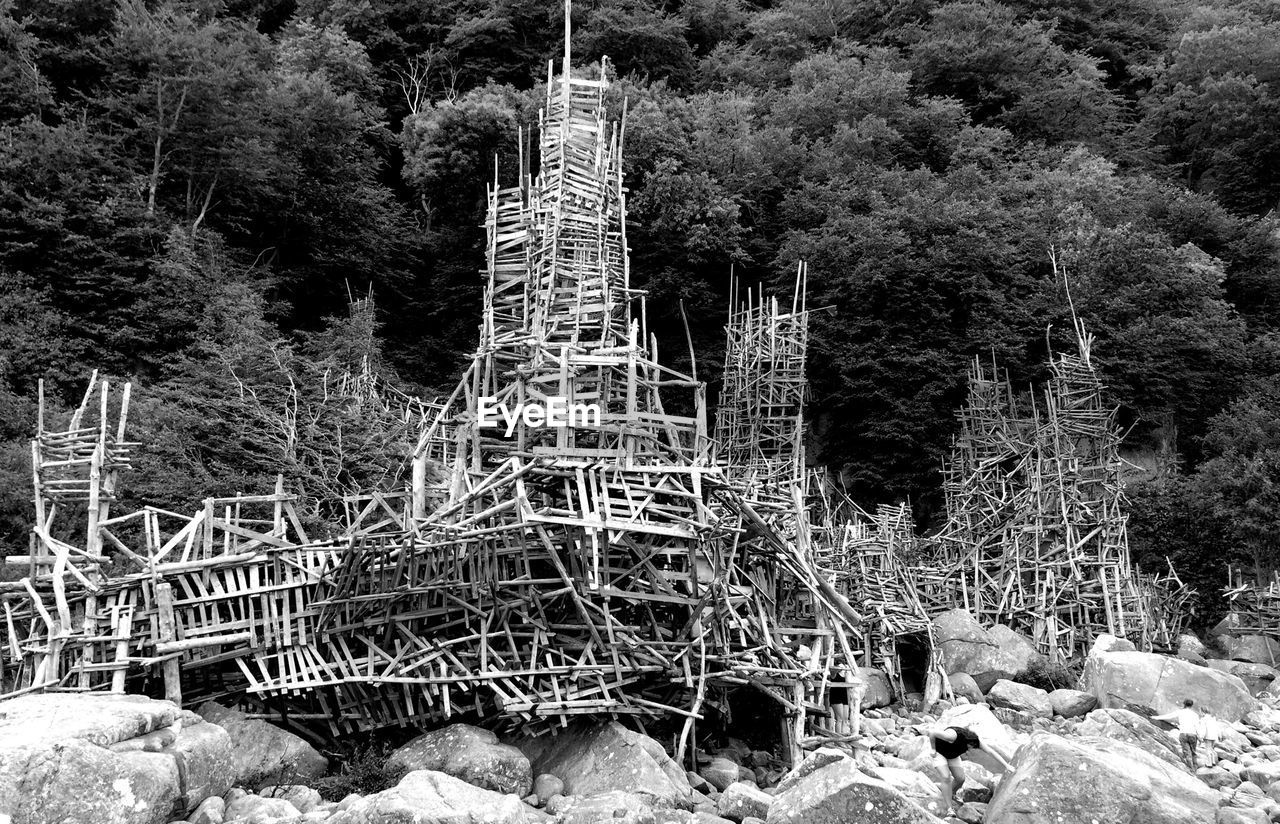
(192, 190)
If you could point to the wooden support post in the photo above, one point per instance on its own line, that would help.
(168, 634)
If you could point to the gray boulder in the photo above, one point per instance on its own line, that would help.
(1257, 649)
(963, 685)
(263, 753)
(1072, 703)
(963, 645)
(85, 758)
(879, 691)
(1257, 678)
(1160, 684)
(473, 754)
(256, 809)
(1020, 698)
(828, 788)
(593, 758)
(916, 786)
(430, 797)
(741, 800)
(1108, 782)
(1131, 728)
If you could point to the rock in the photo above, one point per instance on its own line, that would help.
(210, 811)
(1155, 682)
(879, 692)
(430, 797)
(1072, 703)
(593, 758)
(1106, 642)
(470, 753)
(1257, 649)
(972, 813)
(986, 655)
(1020, 698)
(614, 806)
(1191, 644)
(835, 791)
(300, 796)
(1217, 778)
(1109, 782)
(741, 800)
(973, 793)
(963, 685)
(547, 785)
(1264, 773)
(263, 753)
(255, 809)
(1235, 815)
(84, 758)
(916, 786)
(1131, 728)
(1256, 677)
(720, 773)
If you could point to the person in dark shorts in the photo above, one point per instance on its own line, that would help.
(838, 698)
(952, 743)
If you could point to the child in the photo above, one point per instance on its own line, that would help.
(1210, 735)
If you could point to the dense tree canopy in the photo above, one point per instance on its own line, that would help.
(190, 191)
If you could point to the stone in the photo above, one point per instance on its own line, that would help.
(1106, 642)
(1256, 677)
(1264, 773)
(1236, 815)
(431, 797)
(1257, 649)
(209, 811)
(85, 758)
(1160, 684)
(263, 753)
(963, 685)
(972, 813)
(255, 809)
(1020, 698)
(1218, 778)
(1069, 703)
(300, 796)
(835, 791)
(1094, 779)
(916, 786)
(986, 655)
(546, 785)
(614, 806)
(720, 773)
(1131, 728)
(1191, 644)
(741, 800)
(470, 753)
(879, 691)
(595, 757)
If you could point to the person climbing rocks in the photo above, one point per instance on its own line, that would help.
(1210, 735)
(1188, 722)
(953, 743)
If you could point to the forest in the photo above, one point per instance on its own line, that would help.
(192, 192)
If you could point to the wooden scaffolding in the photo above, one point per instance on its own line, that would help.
(1036, 536)
(530, 569)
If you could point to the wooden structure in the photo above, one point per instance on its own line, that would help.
(590, 558)
(1036, 535)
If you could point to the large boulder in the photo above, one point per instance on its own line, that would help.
(742, 800)
(430, 797)
(879, 691)
(1160, 684)
(263, 753)
(963, 686)
(1131, 728)
(85, 758)
(1058, 780)
(1069, 703)
(594, 757)
(470, 753)
(1256, 649)
(1256, 677)
(1020, 698)
(963, 645)
(916, 786)
(828, 788)
(1190, 645)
